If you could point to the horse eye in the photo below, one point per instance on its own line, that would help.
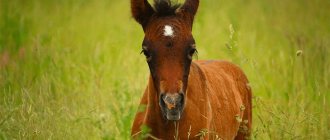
(146, 54)
(191, 53)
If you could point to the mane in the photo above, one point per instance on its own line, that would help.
(165, 7)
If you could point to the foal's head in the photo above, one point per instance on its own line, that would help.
(168, 46)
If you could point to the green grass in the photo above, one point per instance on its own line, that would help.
(71, 69)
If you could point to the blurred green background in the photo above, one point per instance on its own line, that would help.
(72, 69)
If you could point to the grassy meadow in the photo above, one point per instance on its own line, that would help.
(72, 69)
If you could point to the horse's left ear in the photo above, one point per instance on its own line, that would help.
(188, 10)
(141, 11)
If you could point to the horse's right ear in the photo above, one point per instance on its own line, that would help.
(141, 11)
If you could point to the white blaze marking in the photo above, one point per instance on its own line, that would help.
(168, 31)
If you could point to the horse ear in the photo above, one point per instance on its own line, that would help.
(189, 9)
(141, 11)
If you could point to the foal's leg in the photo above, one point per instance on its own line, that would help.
(246, 124)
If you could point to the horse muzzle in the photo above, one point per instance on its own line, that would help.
(172, 105)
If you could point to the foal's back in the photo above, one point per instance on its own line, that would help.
(229, 96)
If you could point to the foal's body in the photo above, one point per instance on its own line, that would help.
(187, 99)
(216, 96)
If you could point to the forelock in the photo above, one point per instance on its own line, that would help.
(165, 7)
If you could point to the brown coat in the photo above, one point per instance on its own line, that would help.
(218, 105)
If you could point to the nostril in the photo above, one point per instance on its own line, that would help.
(181, 98)
(181, 95)
(162, 96)
(162, 100)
